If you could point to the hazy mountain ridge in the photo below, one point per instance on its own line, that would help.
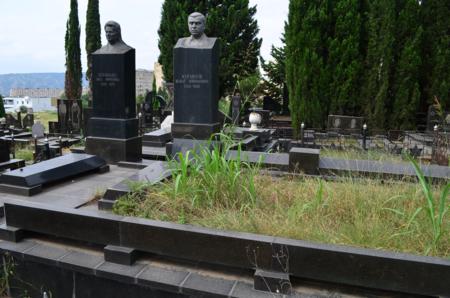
(32, 80)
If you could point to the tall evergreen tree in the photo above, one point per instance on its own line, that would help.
(72, 84)
(436, 70)
(275, 70)
(379, 61)
(307, 33)
(406, 91)
(232, 21)
(93, 36)
(345, 58)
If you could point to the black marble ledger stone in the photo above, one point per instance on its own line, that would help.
(52, 170)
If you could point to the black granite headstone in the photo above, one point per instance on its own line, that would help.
(4, 151)
(196, 92)
(113, 128)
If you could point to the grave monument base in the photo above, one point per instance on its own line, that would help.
(198, 131)
(114, 150)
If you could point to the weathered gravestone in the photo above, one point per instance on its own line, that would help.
(38, 130)
(69, 116)
(28, 120)
(196, 91)
(345, 124)
(113, 128)
(12, 121)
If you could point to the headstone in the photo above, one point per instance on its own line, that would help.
(235, 109)
(10, 120)
(196, 81)
(4, 151)
(28, 120)
(113, 128)
(345, 124)
(62, 116)
(76, 116)
(69, 116)
(38, 130)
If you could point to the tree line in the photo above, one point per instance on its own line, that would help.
(382, 59)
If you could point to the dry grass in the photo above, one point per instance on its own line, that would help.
(363, 213)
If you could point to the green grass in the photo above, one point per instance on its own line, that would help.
(376, 155)
(45, 117)
(207, 190)
(26, 154)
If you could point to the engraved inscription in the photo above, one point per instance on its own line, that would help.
(192, 81)
(107, 79)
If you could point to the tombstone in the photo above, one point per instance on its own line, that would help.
(345, 124)
(270, 104)
(38, 130)
(28, 120)
(4, 151)
(62, 116)
(196, 85)
(10, 120)
(113, 127)
(76, 116)
(87, 114)
(235, 109)
(147, 110)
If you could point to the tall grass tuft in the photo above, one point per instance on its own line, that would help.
(436, 209)
(208, 177)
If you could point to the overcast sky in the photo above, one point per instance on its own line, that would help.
(32, 31)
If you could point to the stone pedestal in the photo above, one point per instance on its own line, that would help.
(113, 127)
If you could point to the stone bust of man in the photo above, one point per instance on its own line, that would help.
(198, 38)
(114, 37)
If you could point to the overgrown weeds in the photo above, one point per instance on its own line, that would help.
(436, 208)
(209, 190)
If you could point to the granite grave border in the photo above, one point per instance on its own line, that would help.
(368, 268)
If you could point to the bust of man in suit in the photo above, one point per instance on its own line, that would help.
(198, 38)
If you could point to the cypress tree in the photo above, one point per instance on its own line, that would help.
(379, 61)
(232, 21)
(436, 70)
(307, 34)
(406, 91)
(345, 58)
(93, 37)
(73, 75)
(275, 83)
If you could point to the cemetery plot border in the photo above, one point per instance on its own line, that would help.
(328, 263)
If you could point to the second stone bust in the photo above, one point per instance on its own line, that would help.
(114, 37)
(198, 38)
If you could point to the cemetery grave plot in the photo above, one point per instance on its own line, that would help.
(220, 193)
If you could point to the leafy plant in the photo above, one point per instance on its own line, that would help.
(435, 209)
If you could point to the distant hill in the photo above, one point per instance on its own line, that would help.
(32, 80)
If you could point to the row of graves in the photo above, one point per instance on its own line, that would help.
(64, 242)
